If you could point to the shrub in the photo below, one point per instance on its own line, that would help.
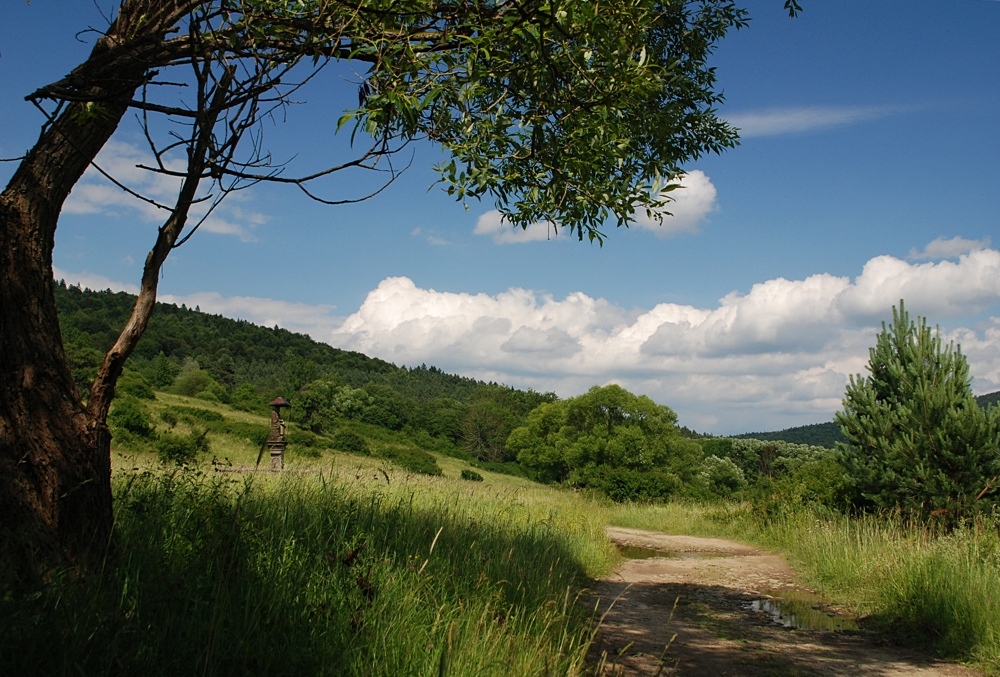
(471, 475)
(722, 476)
(506, 468)
(625, 484)
(254, 433)
(192, 414)
(134, 384)
(303, 438)
(246, 398)
(191, 382)
(348, 440)
(307, 452)
(181, 449)
(128, 415)
(412, 459)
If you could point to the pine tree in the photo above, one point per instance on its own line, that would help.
(917, 439)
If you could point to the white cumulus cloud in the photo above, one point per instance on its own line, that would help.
(776, 356)
(946, 248)
(689, 204)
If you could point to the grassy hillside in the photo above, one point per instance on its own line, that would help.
(233, 362)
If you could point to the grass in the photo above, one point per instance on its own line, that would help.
(355, 570)
(937, 591)
(349, 565)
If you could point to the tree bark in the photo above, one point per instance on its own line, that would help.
(55, 463)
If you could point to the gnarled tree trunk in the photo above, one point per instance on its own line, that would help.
(55, 490)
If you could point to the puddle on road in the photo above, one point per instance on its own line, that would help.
(641, 552)
(803, 611)
(791, 608)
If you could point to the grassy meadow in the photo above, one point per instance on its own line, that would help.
(349, 564)
(343, 565)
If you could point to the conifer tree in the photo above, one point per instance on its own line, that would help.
(917, 439)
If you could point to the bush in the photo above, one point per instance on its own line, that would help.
(129, 416)
(254, 433)
(134, 384)
(348, 440)
(307, 452)
(506, 468)
(624, 484)
(192, 414)
(246, 398)
(412, 459)
(191, 382)
(303, 438)
(722, 476)
(181, 449)
(471, 475)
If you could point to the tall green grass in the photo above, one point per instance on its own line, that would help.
(932, 589)
(326, 574)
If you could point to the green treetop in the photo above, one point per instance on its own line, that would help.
(917, 439)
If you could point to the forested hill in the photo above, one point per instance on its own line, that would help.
(233, 352)
(245, 365)
(989, 399)
(819, 434)
(828, 434)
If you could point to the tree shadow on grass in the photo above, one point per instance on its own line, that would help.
(690, 629)
(216, 575)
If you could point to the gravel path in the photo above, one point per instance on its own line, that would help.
(699, 604)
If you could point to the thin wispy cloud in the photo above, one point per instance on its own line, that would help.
(93, 281)
(317, 320)
(429, 237)
(94, 194)
(796, 120)
(313, 319)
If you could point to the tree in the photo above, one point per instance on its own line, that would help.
(568, 112)
(917, 439)
(607, 427)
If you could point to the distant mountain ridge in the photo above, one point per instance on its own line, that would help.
(989, 399)
(818, 434)
(828, 434)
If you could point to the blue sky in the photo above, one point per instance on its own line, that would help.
(868, 172)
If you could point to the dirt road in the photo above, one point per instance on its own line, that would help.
(719, 600)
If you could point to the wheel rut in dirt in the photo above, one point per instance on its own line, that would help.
(704, 608)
